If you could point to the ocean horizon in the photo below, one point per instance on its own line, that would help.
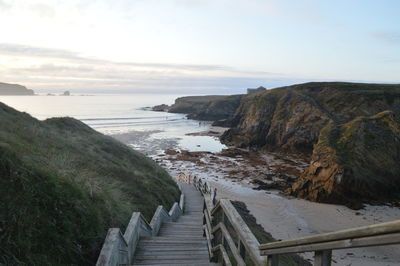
(116, 114)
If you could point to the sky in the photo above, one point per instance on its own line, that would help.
(196, 46)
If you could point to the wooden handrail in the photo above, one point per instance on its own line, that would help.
(225, 256)
(371, 230)
(322, 244)
(235, 252)
(246, 237)
(378, 240)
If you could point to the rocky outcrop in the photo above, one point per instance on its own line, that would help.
(160, 108)
(291, 118)
(211, 107)
(14, 89)
(356, 162)
(350, 130)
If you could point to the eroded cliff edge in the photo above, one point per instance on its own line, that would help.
(354, 162)
(350, 132)
(209, 107)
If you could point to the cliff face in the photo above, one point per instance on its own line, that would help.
(351, 130)
(14, 89)
(291, 118)
(212, 108)
(354, 162)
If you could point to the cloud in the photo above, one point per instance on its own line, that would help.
(32, 51)
(42, 10)
(46, 68)
(4, 5)
(17, 49)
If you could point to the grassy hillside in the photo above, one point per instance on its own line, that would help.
(62, 185)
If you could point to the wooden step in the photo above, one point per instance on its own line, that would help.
(172, 235)
(189, 219)
(181, 242)
(191, 216)
(173, 261)
(178, 240)
(179, 224)
(171, 248)
(156, 252)
(177, 263)
(181, 231)
(172, 256)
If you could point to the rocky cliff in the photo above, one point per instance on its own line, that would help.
(291, 118)
(211, 108)
(14, 89)
(358, 161)
(350, 129)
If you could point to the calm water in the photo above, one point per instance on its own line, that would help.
(122, 114)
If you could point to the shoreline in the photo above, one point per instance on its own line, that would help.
(236, 173)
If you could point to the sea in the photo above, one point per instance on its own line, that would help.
(126, 117)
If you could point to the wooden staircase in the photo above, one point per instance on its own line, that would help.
(176, 237)
(181, 242)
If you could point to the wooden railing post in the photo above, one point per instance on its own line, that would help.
(213, 197)
(323, 258)
(273, 260)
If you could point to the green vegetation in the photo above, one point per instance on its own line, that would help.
(63, 185)
(211, 107)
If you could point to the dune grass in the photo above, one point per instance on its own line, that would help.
(62, 185)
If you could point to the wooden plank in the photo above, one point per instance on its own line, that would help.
(160, 216)
(209, 243)
(182, 201)
(231, 243)
(207, 230)
(246, 236)
(323, 258)
(377, 229)
(114, 250)
(175, 212)
(119, 249)
(273, 260)
(132, 234)
(216, 207)
(387, 239)
(225, 256)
